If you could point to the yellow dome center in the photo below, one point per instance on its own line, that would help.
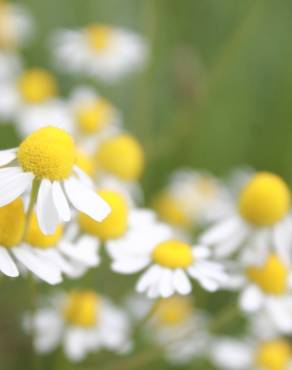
(85, 162)
(173, 254)
(271, 277)
(12, 221)
(122, 156)
(49, 153)
(170, 210)
(37, 85)
(94, 117)
(115, 225)
(274, 355)
(173, 311)
(265, 200)
(36, 238)
(82, 308)
(98, 36)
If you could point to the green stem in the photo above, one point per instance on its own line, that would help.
(33, 298)
(224, 317)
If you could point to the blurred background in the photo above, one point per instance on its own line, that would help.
(215, 95)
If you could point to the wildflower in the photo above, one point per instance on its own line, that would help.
(47, 158)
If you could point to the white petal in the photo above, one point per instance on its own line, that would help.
(281, 313)
(150, 276)
(8, 172)
(40, 267)
(84, 251)
(14, 186)
(86, 200)
(282, 236)
(129, 265)
(75, 344)
(7, 265)
(251, 299)
(166, 285)
(47, 215)
(83, 177)
(181, 282)
(206, 282)
(7, 156)
(220, 231)
(60, 202)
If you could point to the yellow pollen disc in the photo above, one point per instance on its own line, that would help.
(36, 238)
(274, 355)
(122, 156)
(265, 200)
(37, 85)
(12, 221)
(82, 308)
(173, 254)
(49, 153)
(94, 117)
(173, 311)
(98, 36)
(271, 277)
(170, 210)
(85, 162)
(115, 225)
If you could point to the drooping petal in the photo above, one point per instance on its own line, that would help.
(60, 202)
(128, 265)
(181, 282)
(7, 265)
(14, 186)
(166, 284)
(7, 156)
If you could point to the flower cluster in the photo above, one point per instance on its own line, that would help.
(71, 205)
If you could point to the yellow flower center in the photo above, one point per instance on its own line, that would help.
(115, 225)
(271, 277)
(173, 254)
(265, 200)
(94, 117)
(37, 85)
(82, 308)
(169, 209)
(85, 162)
(122, 156)
(49, 153)
(274, 355)
(36, 238)
(12, 221)
(98, 36)
(173, 311)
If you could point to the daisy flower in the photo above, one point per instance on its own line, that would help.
(16, 25)
(169, 262)
(260, 221)
(99, 51)
(191, 198)
(45, 161)
(30, 99)
(82, 321)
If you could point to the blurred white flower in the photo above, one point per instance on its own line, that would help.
(99, 51)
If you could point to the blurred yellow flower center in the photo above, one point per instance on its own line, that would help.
(98, 36)
(82, 308)
(36, 238)
(274, 355)
(271, 277)
(169, 209)
(37, 85)
(173, 311)
(265, 200)
(49, 153)
(115, 225)
(122, 156)
(94, 117)
(85, 162)
(173, 254)
(12, 221)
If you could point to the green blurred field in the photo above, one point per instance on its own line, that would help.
(217, 94)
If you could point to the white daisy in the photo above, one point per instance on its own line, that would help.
(99, 51)
(83, 322)
(169, 262)
(16, 25)
(259, 222)
(46, 161)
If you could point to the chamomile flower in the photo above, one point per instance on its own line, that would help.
(169, 262)
(83, 322)
(16, 253)
(191, 199)
(259, 222)
(30, 100)
(16, 25)
(46, 158)
(268, 288)
(99, 51)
